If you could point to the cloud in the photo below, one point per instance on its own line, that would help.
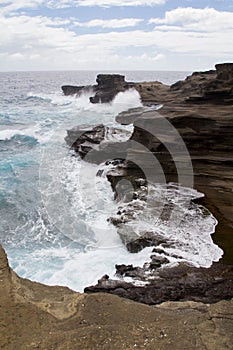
(40, 42)
(14, 5)
(192, 19)
(111, 23)
(104, 3)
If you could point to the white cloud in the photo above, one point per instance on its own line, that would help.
(14, 5)
(104, 3)
(111, 23)
(206, 20)
(39, 42)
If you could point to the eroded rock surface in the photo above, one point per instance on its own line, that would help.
(64, 320)
(180, 283)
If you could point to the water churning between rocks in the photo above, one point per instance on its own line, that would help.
(54, 208)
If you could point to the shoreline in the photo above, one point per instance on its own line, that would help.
(63, 319)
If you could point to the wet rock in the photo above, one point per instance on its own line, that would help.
(84, 138)
(158, 261)
(108, 86)
(130, 271)
(98, 143)
(179, 283)
(72, 90)
(135, 242)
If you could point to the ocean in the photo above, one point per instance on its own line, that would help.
(54, 210)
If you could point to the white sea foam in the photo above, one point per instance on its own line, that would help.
(73, 268)
(89, 202)
(41, 131)
(170, 213)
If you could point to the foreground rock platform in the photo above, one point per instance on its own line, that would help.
(34, 316)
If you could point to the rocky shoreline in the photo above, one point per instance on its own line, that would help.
(200, 109)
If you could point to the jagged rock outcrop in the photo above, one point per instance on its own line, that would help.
(72, 90)
(108, 86)
(215, 85)
(98, 143)
(78, 90)
(180, 283)
(84, 138)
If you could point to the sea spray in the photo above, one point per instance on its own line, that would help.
(37, 249)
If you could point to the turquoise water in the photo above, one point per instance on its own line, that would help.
(53, 208)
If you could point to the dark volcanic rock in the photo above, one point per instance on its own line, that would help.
(130, 271)
(108, 86)
(215, 85)
(84, 138)
(135, 242)
(224, 71)
(76, 90)
(179, 283)
(97, 145)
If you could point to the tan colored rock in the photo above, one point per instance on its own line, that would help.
(34, 316)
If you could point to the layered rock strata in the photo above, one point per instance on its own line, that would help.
(185, 133)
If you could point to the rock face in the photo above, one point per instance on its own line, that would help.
(85, 138)
(98, 143)
(108, 86)
(179, 283)
(72, 90)
(77, 90)
(176, 135)
(214, 86)
(206, 128)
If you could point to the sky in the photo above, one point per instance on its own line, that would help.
(170, 35)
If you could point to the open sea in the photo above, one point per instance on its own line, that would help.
(53, 208)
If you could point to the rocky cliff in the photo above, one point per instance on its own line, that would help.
(34, 316)
(186, 133)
